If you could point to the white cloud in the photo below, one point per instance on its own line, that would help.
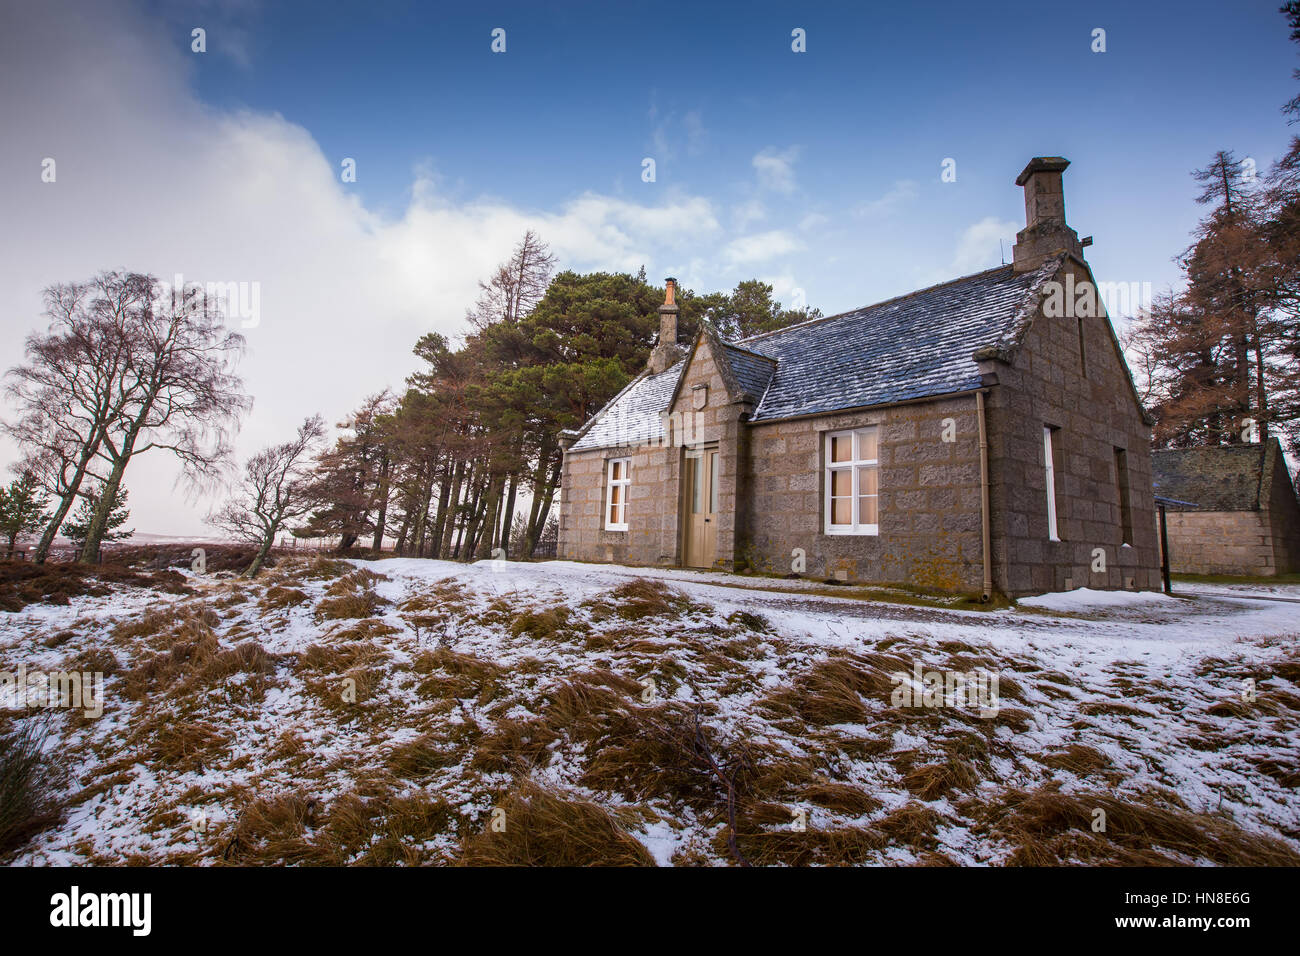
(761, 247)
(977, 248)
(746, 213)
(899, 194)
(149, 178)
(812, 221)
(775, 168)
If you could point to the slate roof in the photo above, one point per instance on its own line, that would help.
(752, 371)
(632, 416)
(914, 346)
(1214, 478)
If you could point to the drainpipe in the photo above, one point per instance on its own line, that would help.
(985, 532)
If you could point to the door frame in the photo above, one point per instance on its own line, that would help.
(691, 454)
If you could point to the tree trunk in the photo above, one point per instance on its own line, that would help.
(104, 507)
(449, 524)
(382, 517)
(487, 539)
(544, 510)
(509, 517)
(262, 552)
(65, 505)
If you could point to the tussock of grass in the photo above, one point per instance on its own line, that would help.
(420, 757)
(353, 605)
(28, 803)
(165, 620)
(358, 579)
(278, 597)
(338, 657)
(643, 597)
(1078, 759)
(832, 691)
(840, 797)
(1051, 828)
(543, 828)
(912, 825)
(842, 846)
(516, 746)
(551, 623)
(95, 660)
(320, 569)
(198, 663)
(931, 781)
(452, 674)
(272, 831)
(750, 622)
(181, 745)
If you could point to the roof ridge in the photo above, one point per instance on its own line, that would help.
(875, 305)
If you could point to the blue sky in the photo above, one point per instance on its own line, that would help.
(883, 94)
(818, 172)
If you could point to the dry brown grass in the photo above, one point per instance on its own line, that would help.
(543, 828)
(552, 623)
(516, 746)
(1078, 759)
(453, 675)
(643, 597)
(354, 605)
(95, 660)
(840, 798)
(912, 825)
(352, 596)
(196, 660)
(366, 827)
(842, 846)
(932, 781)
(181, 745)
(164, 621)
(421, 757)
(278, 597)
(832, 691)
(1047, 827)
(318, 569)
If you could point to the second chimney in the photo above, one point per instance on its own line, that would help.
(1046, 232)
(667, 351)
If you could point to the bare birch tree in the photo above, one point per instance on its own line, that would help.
(274, 491)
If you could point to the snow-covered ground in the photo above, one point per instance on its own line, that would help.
(1182, 697)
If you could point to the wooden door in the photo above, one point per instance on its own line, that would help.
(701, 507)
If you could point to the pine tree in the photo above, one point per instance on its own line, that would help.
(77, 527)
(22, 509)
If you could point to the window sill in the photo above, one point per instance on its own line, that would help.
(615, 527)
(870, 530)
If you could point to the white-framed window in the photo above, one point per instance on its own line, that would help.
(1049, 465)
(853, 481)
(618, 483)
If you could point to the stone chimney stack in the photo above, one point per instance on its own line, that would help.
(667, 351)
(1045, 233)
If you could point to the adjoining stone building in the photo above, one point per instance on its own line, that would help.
(975, 436)
(1243, 516)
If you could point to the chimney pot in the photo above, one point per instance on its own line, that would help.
(1046, 232)
(667, 351)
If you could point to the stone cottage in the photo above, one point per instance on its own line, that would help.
(977, 436)
(1243, 516)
